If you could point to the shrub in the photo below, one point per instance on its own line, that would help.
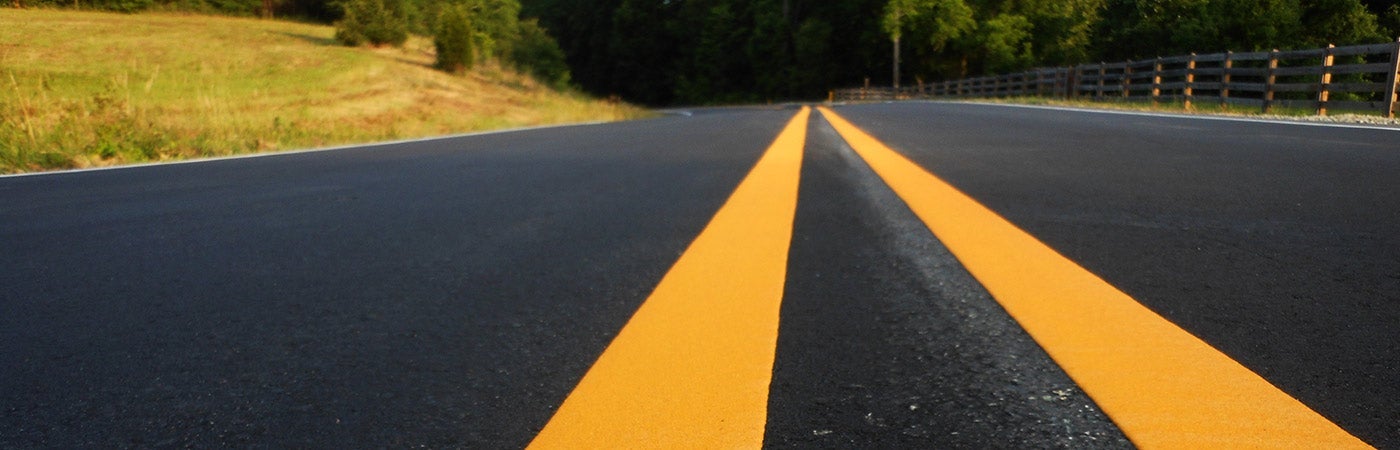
(373, 22)
(538, 53)
(453, 40)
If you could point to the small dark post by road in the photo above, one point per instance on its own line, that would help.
(1270, 78)
(1323, 83)
(1187, 92)
(1225, 66)
(1392, 77)
(864, 91)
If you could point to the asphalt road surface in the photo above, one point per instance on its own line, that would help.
(453, 292)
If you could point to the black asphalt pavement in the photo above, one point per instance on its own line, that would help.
(450, 293)
(446, 293)
(1279, 244)
(886, 341)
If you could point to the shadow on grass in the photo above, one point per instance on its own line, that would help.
(317, 40)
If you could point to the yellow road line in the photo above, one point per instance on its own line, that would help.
(1164, 387)
(691, 369)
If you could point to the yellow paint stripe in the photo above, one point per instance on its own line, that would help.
(1164, 387)
(691, 369)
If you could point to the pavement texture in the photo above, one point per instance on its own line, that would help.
(452, 292)
(887, 342)
(447, 293)
(1275, 243)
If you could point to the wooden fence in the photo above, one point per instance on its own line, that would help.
(1358, 78)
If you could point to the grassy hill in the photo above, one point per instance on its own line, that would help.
(84, 89)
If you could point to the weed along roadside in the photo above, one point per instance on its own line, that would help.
(85, 89)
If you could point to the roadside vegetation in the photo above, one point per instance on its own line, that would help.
(705, 51)
(84, 89)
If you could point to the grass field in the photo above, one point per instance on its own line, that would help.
(82, 89)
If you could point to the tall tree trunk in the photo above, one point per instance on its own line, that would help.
(896, 61)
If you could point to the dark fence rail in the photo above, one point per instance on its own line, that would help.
(1359, 78)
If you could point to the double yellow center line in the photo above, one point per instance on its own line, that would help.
(691, 369)
(692, 366)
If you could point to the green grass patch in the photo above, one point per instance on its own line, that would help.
(80, 89)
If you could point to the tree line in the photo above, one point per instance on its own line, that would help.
(463, 32)
(732, 51)
(660, 52)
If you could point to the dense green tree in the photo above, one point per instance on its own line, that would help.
(929, 22)
(496, 23)
(771, 50)
(1003, 43)
(1341, 22)
(642, 53)
(711, 73)
(373, 22)
(454, 40)
(813, 68)
(1389, 21)
(1061, 30)
(534, 51)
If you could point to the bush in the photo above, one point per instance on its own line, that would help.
(373, 22)
(454, 40)
(538, 53)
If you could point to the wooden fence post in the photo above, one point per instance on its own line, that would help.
(1127, 81)
(1189, 90)
(1156, 79)
(1322, 87)
(1072, 81)
(1269, 79)
(1225, 67)
(1390, 80)
(1103, 72)
(1057, 76)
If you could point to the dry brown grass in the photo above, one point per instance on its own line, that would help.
(82, 89)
